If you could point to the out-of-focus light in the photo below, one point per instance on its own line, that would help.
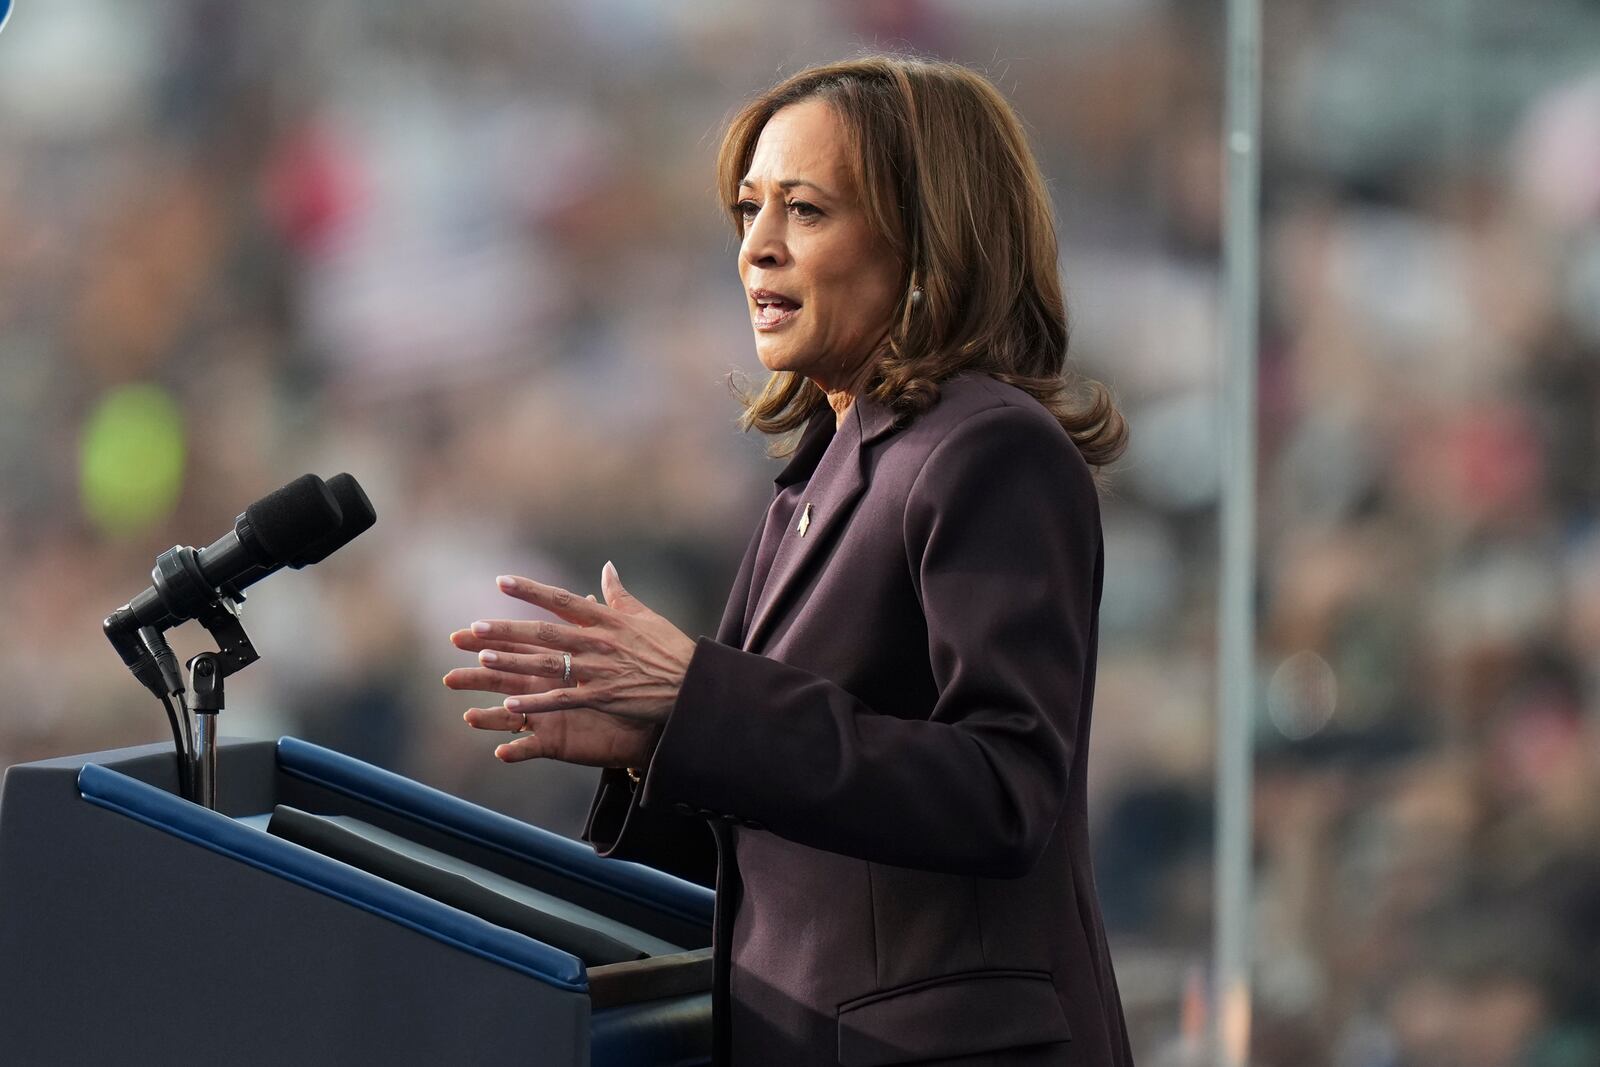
(131, 459)
(1302, 695)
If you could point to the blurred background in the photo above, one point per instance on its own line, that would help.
(472, 253)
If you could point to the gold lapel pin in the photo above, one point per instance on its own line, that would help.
(805, 519)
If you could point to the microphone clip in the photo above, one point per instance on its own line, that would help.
(220, 617)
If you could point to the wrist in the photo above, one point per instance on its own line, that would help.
(636, 773)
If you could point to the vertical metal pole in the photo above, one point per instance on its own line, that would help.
(205, 682)
(205, 760)
(1230, 997)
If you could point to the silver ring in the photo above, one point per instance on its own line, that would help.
(566, 668)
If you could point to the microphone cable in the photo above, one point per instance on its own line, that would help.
(170, 686)
(180, 741)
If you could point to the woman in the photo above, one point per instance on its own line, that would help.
(887, 737)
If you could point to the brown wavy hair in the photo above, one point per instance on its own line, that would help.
(949, 182)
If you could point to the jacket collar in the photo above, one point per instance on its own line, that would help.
(872, 420)
(813, 443)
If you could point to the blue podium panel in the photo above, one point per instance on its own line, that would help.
(136, 927)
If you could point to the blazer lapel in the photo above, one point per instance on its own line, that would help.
(835, 487)
(732, 624)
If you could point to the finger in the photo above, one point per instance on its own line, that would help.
(618, 597)
(484, 680)
(560, 698)
(581, 737)
(546, 635)
(523, 748)
(559, 602)
(467, 641)
(497, 718)
(542, 664)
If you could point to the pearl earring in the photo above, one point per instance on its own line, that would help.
(916, 295)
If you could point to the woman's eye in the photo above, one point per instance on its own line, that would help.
(747, 210)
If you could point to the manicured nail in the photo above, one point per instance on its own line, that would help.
(481, 627)
(486, 656)
(512, 703)
(506, 581)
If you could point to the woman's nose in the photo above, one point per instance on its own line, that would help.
(763, 244)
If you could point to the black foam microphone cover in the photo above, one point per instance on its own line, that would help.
(286, 523)
(358, 519)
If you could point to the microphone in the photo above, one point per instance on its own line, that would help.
(275, 529)
(358, 518)
(298, 525)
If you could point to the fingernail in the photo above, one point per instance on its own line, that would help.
(481, 627)
(512, 703)
(487, 656)
(505, 581)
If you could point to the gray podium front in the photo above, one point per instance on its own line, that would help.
(329, 912)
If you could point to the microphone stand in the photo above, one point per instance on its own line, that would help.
(205, 681)
(206, 672)
(178, 580)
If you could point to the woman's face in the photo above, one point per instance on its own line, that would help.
(820, 283)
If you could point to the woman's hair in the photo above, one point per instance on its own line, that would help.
(948, 181)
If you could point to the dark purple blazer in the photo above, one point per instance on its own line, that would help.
(887, 740)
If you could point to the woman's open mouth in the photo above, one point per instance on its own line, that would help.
(773, 309)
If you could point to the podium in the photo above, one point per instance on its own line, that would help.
(328, 912)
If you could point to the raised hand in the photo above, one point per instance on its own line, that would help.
(594, 689)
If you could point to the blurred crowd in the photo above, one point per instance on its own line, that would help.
(472, 254)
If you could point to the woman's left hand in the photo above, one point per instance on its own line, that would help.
(627, 665)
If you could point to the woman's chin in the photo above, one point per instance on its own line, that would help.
(776, 359)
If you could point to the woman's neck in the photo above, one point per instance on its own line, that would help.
(843, 398)
(840, 402)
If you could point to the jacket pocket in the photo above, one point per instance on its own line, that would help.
(956, 1015)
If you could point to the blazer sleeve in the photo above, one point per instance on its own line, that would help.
(618, 828)
(1002, 537)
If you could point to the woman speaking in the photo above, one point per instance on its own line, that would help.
(879, 761)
